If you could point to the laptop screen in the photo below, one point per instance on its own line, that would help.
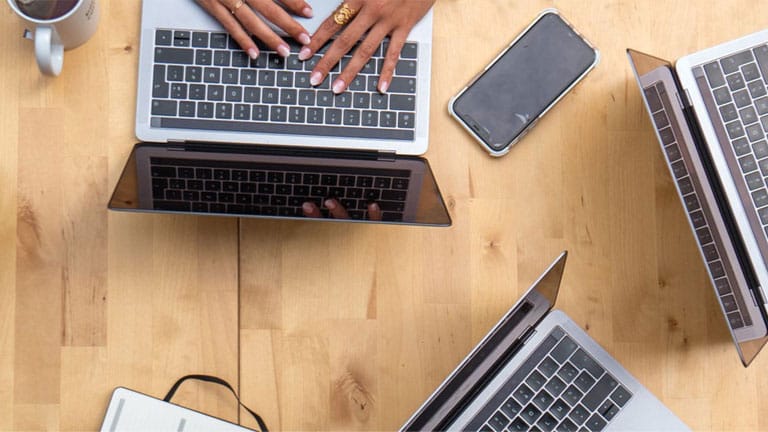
(489, 356)
(250, 181)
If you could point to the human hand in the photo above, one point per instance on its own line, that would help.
(239, 18)
(337, 211)
(379, 18)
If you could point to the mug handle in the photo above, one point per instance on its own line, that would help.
(49, 50)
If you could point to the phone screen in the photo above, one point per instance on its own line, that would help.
(528, 77)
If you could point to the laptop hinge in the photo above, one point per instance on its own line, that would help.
(386, 155)
(530, 331)
(175, 145)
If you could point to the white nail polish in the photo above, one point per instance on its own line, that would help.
(283, 50)
(316, 78)
(305, 53)
(253, 53)
(307, 11)
(339, 86)
(304, 39)
(383, 86)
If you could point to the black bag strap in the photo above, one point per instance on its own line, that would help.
(215, 380)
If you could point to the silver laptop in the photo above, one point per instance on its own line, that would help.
(228, 135)
(195, 84)
(710, 114)
(538, 370)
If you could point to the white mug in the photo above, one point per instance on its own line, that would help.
(59, 25)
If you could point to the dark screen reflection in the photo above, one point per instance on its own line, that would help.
(280, 184)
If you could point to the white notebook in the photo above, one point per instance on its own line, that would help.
(133, 411)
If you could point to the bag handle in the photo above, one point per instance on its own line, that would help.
(215, 380)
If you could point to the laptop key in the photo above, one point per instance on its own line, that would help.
(536, 380)
(722, 95)
(543, 400)
(163, 37)
(572, 395)
(728, 112)
(519, 425)
(498, 421)
(171, 205)
(296, 115)
(756, 89)
(596, 423)
(530, 414)
(218, 40)
(164, 107)
(402, 85)
(599, 392)
(714, 74)
(734, 320)
(578, 415)
(584, 381)
(200, 39)
(583, 360)
(260, 113)
(733, 62)
(187, 109)
(511, 408)
(547, 423)
(755, 132)
(621, 396)
(160, 88)
(240, 59)
(174, 55)
(761, 54)
(735, 81)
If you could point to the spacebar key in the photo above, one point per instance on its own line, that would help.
(282, 128)
(171, 205)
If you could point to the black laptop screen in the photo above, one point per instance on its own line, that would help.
(277, 183)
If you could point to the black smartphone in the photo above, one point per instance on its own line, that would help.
(538, 68)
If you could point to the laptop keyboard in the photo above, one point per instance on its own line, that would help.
(559, 387)
(697, 210)
(738, 86)
(245, 188)
(203, 80)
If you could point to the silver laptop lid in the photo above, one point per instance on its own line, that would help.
(274, 183)
(717, 239)
(491, 354)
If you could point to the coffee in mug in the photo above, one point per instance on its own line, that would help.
(59, 25)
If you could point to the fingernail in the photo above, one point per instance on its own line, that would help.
(305, 53)
(316, 78)
(253, 53)
(307, 207)
(304, 39)
(339, 86)
(331, 204)
(373, 207)
(283, 50)
(383, 86)
(307, 11)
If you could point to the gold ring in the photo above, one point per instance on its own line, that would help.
(237, 6)
(344, 14)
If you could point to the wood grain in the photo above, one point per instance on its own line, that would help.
(341, 327)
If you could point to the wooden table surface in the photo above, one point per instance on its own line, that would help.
(348, 327)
